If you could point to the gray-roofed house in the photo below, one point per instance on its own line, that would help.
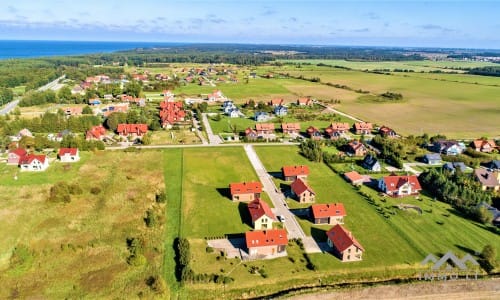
(280, 110)
(371, 163)
(261, 116)
(494, 165)
(452, 166)
(432, 159)
(489, 180)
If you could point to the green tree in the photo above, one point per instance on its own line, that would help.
(488, 258)
(87, 110)
(64, 94)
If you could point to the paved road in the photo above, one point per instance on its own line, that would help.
(339, 112)
(8, 107)
(53, 85)
(212, 138)
(196, 125)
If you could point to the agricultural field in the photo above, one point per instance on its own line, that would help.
(394, 245)
(79, 248)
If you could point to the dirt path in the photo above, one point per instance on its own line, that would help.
(459, 289)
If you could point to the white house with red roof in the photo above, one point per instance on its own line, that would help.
(399, 186)
(291, 173)
(266, 242)
(261, 215)
(245, 191)
(343, 244)
(68, 155)
(332, 213)
(32, 162)
(15, 156)
(302, 191)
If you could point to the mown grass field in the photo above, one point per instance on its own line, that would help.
(394, 246)
(79, 249)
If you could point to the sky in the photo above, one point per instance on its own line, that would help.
(439, 23)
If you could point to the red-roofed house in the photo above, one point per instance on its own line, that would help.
(303, 192)
(132, 130)
(344, 245)
(363, 128)
(245, 191)
(251, 134)
(356, 148)
(313, 133)
(354, 177)
(96, 133)
(399, 186)
(290, 128)
(216, 95)
(32, 162)
(261, 214)
(336, 130)
(171, 113)
(15, 156)
(264, 128)
(130, 99)
(266, 242)
(387, 132)
(140, 77)
(304, 101)
(483, 145)
(277, 102)
(291, 173)
(69, 154)
(332, 213)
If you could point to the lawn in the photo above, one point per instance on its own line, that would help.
(79, 249)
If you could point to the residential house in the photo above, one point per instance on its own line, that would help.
(292, 173)
(354, 178)
(32, 162)
(261, 215)
(399, 186)
(493, 165)
(387, 132)
(332, 213)
(96, 133)
(132, 130)
(68, 155)
(371, 163)
(130, 99)
(356, 148)
(122, 107)
(432, 159)
(108, 97)
(264, 129)
(336, 130)
(314, 133)
(304, 101)
(281, 111)
(140, 77)
(15, 156)
(290, 128)
(251, 134)
(261, 116)
(162, 77)
(266, 242)
(447, 147)
(216, 95)
(171, 113)
(302, 191)
(363, 128)
(276, 102)
(234, 113)
(344, 244)
(94, 101)
(77, 90)
(453, 166)
(22, 133)
(245, 191)
(489, 180)
(482, 145)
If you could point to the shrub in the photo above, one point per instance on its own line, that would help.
(151, 218)
(95, 190)
(75, 189)
(161, 197)
(22, 258)
(60, 193)
(488, 258)
(209, 249)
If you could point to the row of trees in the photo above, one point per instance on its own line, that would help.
(459, 190)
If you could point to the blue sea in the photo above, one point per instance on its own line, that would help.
(25, 49)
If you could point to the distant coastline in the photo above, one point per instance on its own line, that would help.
(14, 49)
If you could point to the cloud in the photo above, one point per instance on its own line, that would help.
(434, 27)
(214, 19)
(372, 16)
(361, 30)
(12, 9)
(268, 11)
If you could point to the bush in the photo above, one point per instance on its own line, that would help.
(60, 193)
(161, 197)
(209, 249)
(157, 284)
(22, 258)
(95, 190)
(488, 258)
(151, 218)
(75, 189)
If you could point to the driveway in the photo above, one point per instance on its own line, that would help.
(212, 138)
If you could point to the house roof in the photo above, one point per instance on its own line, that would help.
(363, 126)
(480, 143)
(304, 100)
(312, 129)
(19, 152)
(487, 178)
(263, 238)
(342, 238)
(394, 182)
(96, 132)
(338, 126)
(295, 170)
(385, 130)
(354, 176)
(264, 126)
(290, 126)
(28, 159)
(68, 151)
(494, 164)
(132, 128)
(369, 161)
(277, 101)
(245, 187)
(299, 186)
(455, 165)
(328, 210)
(355, 145)
(258, 208)
(432, 156)
(250, 131)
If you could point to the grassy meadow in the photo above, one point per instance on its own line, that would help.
(79, 249)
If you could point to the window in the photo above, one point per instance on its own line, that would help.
(349, 250)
